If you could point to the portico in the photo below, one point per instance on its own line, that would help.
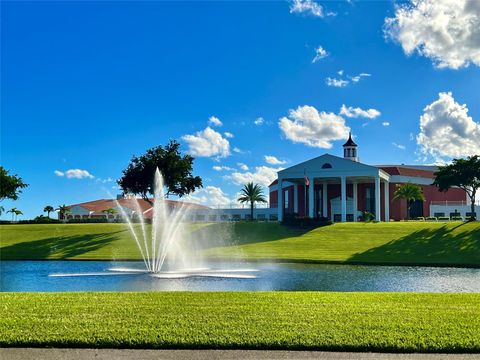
(335, 188)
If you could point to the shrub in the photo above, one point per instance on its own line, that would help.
(443, 218)
(431, 218)
(419, 218)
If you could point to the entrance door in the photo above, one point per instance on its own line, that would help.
(416, 210)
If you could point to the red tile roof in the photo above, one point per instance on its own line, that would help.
(405, 171)
(104, 204)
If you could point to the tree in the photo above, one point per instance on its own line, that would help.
(48, 209)
(138, 177)
(410, 192)
(2, 209)
(462, 173)
(10, 185)
(63, 210)
(15, 212)
(110, 211)
(251, 193)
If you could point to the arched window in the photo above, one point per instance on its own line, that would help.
(326, 166)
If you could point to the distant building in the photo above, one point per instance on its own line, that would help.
(132, 207)
(340, 189)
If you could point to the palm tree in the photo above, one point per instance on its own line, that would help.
(48, 209)
(110, 211)
(63, 210)
(15, 212)
(410, 192)
(12, 211)
(251, 193)
(18, 212)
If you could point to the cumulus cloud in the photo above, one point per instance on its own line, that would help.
(259, 121)
(272, 160)
(228, 134)
(242, 166)
(357, 78)
(352, 112)
(385, 123)
(447, 131)
(317, 129)
(74, 174)
(209, 196)
(214, 121)
(320, 53)
(263, 175)
(445, 31)
(399, 146)
(207, 143)
(309, 7)
(238, 150)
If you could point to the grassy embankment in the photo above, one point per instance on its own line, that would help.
(375, 243)
(258, 320)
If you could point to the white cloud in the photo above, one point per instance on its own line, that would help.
(352, 112)
(411, 137)
(207, 143)
(222, 167)
(320, 53)
(209, 196)
(237, 150)
(317, 129)
(445, 31)
(307, 7)
(259, 121)
(74, 174)
(263, 175)
(242, 166)
(272, 160)
(399, 146)
(336, 82)
(385, 123)
(358, 77)
(344, 82)
(228, 134)
(214, 121)
(447, 131)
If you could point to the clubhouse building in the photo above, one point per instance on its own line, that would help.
(341, 189)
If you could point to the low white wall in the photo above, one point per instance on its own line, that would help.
(221, 215)
(448, 209)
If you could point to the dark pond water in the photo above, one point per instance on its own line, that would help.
(37, 276)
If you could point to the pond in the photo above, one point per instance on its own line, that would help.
(98, 276)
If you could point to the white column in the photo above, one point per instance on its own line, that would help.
(378, 215)
(343, 186)
(355, 201)
(310, 196)
(325, 199)
(280, 200)
(295, 198)
(387, 200)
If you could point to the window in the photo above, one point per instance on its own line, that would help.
(273, 217)
(286, 199)
(212, 217)
(326, 166)
(439, 214)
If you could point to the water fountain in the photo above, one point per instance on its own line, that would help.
(168, 252)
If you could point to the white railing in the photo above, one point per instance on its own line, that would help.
(240, 206)
(453, 203)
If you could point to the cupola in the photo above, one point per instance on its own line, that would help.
(350, 149)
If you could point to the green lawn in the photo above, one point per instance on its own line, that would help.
(378, 243)
(263, 320)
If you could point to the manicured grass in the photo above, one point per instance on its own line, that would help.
(375, 243)
(258, 320)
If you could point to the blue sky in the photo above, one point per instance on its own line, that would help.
(86, 85)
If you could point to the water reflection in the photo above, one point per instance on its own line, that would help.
(34, 276)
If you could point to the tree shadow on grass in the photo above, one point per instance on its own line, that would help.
(443, 246)
(63, 247)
